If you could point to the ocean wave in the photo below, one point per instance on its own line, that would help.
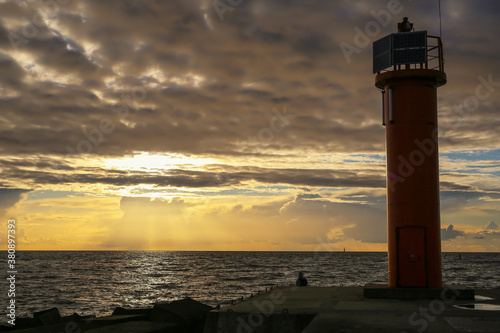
(75, 285)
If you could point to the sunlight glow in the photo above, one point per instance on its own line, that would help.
(189, 79)
(149, 161)
(89, 49)
(157, 78)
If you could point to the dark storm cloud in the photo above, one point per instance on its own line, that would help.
(449, 186)
(10, 70)
(176, 39)
(262, 56)
(51, 171)
(358, 221)
(492, 226)
(187, 178)
(489, 232)
(39, 163)
(450, 233)
(485, 235)
(452, 200)
(9, 197)
(4, 40)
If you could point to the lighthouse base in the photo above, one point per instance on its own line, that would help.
(447, 293)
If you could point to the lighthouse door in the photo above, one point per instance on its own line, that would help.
(412, 265)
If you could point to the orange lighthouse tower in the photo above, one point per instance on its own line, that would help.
(409, 69)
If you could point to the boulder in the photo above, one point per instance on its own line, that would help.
(47, 317)
(187, 313)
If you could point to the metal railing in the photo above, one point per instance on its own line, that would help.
(435, 54)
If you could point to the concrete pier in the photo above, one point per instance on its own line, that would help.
(294, 310)
(346, 309)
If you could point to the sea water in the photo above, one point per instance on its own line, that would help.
(95, 282)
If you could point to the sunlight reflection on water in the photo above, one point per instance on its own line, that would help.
(97, 282)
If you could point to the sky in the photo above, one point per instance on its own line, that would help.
(231, 124)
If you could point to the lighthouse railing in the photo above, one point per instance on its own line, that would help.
(435, 58)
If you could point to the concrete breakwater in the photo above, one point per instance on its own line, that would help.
(186, 315)
(294, 309)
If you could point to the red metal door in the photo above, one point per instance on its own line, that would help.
(412, 265)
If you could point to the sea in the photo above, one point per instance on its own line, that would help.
(96, 282)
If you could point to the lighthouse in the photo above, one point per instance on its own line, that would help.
(409, 68)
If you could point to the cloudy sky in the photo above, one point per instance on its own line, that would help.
(231, 124)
